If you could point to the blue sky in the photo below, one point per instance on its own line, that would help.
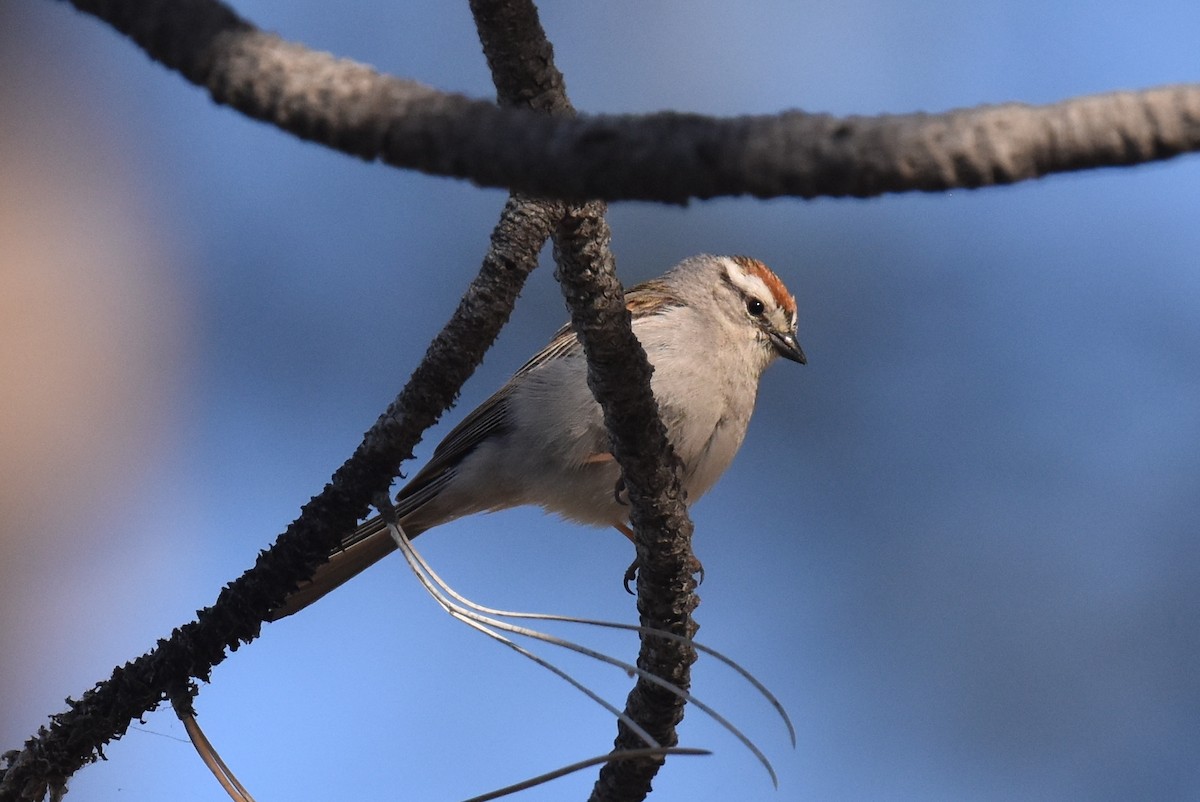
(960, 544)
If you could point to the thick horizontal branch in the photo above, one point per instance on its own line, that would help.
(669, 156)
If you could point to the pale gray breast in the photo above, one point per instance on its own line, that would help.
(706, 401)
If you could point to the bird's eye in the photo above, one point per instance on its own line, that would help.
(755, 307)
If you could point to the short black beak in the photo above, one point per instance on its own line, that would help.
(788, 348)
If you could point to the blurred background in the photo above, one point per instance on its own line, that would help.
(960, 545)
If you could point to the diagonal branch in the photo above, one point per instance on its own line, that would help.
(520, 56)
(668, 156)
(521, 60)
(76, 737)
(619, 376)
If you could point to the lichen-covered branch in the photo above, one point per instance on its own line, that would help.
(75, 737)
(521, 60)
(619, 376)
(668, 156)
(520, 56)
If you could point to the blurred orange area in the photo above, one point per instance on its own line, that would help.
(90, 339)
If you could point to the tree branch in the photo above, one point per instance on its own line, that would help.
(668, 156)
(76, 737)
(521, 61)
(520, 57)
(619, 376)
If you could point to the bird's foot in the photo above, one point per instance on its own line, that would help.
(696, 569)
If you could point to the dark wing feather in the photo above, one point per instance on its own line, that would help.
(492, 417)
(489, 419)
(650, 298)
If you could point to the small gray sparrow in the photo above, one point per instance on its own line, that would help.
(710, 327)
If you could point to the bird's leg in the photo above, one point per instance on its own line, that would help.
(631, 571)
(621, 496)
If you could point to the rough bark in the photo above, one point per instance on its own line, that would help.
(668, 156)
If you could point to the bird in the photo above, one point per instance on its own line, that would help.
(710, 326)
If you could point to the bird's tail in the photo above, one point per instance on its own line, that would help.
(358, 551)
